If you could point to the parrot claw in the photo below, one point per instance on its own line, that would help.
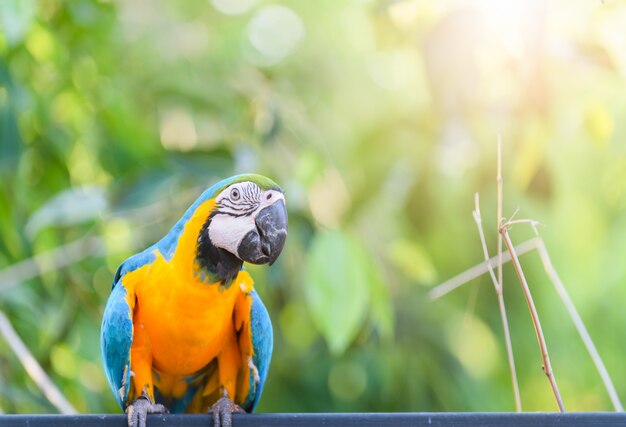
(138, 411)
(223, 411)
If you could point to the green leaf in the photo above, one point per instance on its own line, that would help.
(337, 288)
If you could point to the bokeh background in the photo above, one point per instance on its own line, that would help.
(379, 118)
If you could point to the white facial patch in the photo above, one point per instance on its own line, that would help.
(227, 231)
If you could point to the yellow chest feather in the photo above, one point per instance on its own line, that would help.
(182, 320)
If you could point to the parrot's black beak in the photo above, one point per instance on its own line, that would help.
(264, 245)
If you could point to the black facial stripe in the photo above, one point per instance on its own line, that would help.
(240, 202)
(236, 215)
(235, 207)
(252, 193)
(236, 212)
(248, 202)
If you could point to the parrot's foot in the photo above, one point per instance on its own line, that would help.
(223, 411)
(138, 411)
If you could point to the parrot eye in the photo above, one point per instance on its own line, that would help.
(234, 194)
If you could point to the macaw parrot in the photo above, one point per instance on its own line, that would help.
(183, 329)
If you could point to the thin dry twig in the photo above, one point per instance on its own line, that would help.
(547, 366)
(503, 316)
(578, 322)
(500, 290)
(478, 270)
(533, 223)
(33, 368)
(503, 234)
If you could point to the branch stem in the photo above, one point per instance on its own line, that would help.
(503, 316)
(547, 366)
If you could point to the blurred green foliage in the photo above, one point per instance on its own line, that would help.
(379, 118)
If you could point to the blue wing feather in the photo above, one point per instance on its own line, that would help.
(116, 334)
(116, 337)
(262, 345)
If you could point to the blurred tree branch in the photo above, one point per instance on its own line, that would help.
(62, 256)
(32, 367)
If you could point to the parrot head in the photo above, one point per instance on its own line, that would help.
(248, 223)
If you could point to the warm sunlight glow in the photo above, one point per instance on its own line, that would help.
(509, 23)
